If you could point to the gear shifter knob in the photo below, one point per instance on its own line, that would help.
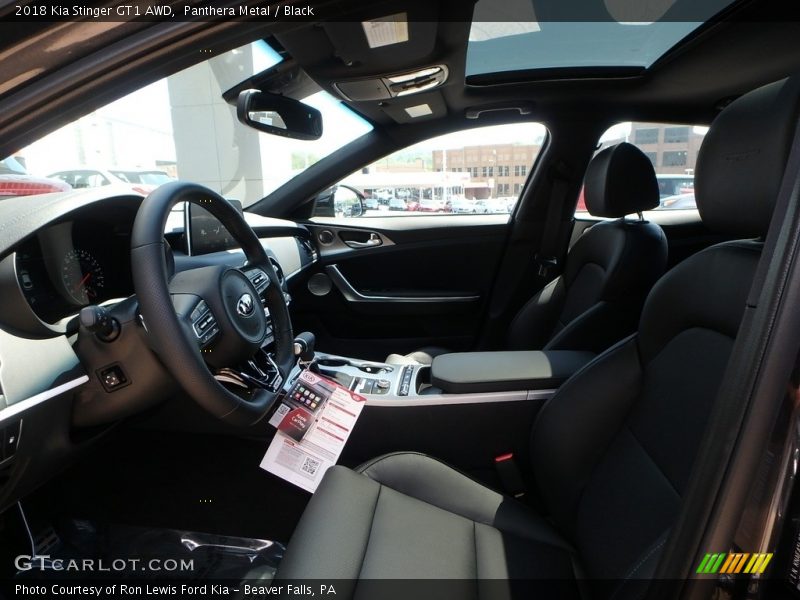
(304, 346)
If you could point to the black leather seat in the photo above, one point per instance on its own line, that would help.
(613, 450)
(608, 271)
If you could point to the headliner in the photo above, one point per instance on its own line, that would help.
(751, 46)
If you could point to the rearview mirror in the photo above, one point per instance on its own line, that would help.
(278, 115)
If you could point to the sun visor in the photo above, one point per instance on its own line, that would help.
(386, 42)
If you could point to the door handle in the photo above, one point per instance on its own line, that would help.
(374, 240)
(351, 294)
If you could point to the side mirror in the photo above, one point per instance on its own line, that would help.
(340, 201)
(278, 115)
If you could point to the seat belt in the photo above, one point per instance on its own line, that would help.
(549, 250)
(509, 475)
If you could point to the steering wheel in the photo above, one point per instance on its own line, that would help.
(207, 324)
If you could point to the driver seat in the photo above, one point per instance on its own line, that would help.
(612, 452)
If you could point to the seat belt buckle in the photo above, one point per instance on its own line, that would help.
(546, 264)
(509, 474)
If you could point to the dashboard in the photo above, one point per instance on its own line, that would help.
(83, 258)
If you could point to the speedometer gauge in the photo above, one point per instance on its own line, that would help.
(82, 277)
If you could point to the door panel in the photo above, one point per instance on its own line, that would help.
(425, 283)
(414, 265)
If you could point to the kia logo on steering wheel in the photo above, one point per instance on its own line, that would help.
(245, 305)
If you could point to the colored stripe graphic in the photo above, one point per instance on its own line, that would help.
(735, 562)
(703, 564)
(718, 563)
(727, 564)
(740, 564)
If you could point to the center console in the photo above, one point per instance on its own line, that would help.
(467, 408)
(463, 377)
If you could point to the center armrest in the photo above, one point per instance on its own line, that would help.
(475, 372)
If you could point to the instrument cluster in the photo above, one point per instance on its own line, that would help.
(73, 264)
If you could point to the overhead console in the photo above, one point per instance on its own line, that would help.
(390, 86)
(392, 60)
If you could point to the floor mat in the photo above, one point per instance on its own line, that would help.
(176, 481)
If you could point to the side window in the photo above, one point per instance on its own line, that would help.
(475, 171)
(673, 151)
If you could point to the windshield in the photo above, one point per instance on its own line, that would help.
(180, 127)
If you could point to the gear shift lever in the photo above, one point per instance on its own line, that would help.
(304, 346)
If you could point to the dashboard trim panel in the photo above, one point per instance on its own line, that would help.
(19, 407)
(459, 399)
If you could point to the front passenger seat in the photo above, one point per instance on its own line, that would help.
(608, 271)
(613, 450)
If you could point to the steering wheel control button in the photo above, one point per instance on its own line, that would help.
(209, 336)
(199, 310)
(259, 279)
(113, 377)
(204, 324)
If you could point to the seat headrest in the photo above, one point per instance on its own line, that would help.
(743, 157)
(620, 181)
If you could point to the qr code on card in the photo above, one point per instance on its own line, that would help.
(281, 412)
(310, 465)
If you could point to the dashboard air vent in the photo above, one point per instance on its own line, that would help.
(278, 270)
